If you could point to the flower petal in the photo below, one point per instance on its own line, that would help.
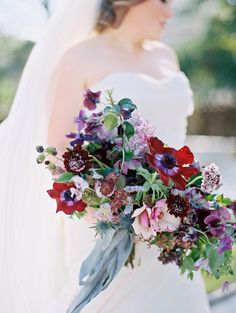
(187, 171)
(179, 181)
(156, 145)
(144, 219)
(184, 156)
(138, 211)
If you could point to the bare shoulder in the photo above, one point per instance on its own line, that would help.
(80, 58)
(77, 55)
(161, 49)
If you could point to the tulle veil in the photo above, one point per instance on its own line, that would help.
(35, 272)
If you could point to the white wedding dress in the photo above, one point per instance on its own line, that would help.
(150, 287)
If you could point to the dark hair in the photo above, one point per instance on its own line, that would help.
(113, 12)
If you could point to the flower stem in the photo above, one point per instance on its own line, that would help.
(194, 180)
(100, 163)
(201, 232)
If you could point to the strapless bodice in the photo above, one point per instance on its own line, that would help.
(166, 103)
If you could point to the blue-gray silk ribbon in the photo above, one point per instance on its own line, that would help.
(105, 260)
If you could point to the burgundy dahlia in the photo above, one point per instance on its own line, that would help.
(178, 206)
(119, 200)
(109, 184)
(170, 163)
(76, 159)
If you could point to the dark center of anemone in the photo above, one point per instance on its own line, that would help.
(68, 196)
(168, 161)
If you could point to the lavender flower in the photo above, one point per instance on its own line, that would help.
(203, 264)
(211, 178)
(131, 189)
(196, 199)
(80, 120)
(225, 244)
(225, 286)
(143, 130)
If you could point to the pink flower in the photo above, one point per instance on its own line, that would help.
(142, 222)
(161, 219)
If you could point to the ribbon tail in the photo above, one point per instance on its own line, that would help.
(101, 266)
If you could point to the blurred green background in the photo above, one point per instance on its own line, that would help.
(208, 57)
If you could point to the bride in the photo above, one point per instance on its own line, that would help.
(41, 251)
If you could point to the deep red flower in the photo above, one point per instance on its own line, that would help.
(119, 200)
(68, 201)
(76, 159)
(108, 185)
(178, 206)
(171, 163)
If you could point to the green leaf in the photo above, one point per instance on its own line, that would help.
(65, 177)
(219, 198)
(146, 186)
(107, 109)
(111, 121)
(190, 275)
(116, 109)
(127, 104)
(144, 173)
(210, 197)
(215, 260)
(93, 147)
(222, 200)
(80, 215)
(105, 171)
(128, 129)
(129, 155)
(227, 201)
(188, 263)
(121, 182)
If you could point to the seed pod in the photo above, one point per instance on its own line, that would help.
(40, 149)
(51, 150)
(41, 158)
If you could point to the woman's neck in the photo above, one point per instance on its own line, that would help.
(126, 40)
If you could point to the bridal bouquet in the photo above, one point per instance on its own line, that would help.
(138, 187)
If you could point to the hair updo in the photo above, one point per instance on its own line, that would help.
(113, 12)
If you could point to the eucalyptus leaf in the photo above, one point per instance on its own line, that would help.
(121, 182)
(215, 260)
(127, 104)
(65, 177)
(107, 109)
(111, 121)
(188, 263)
